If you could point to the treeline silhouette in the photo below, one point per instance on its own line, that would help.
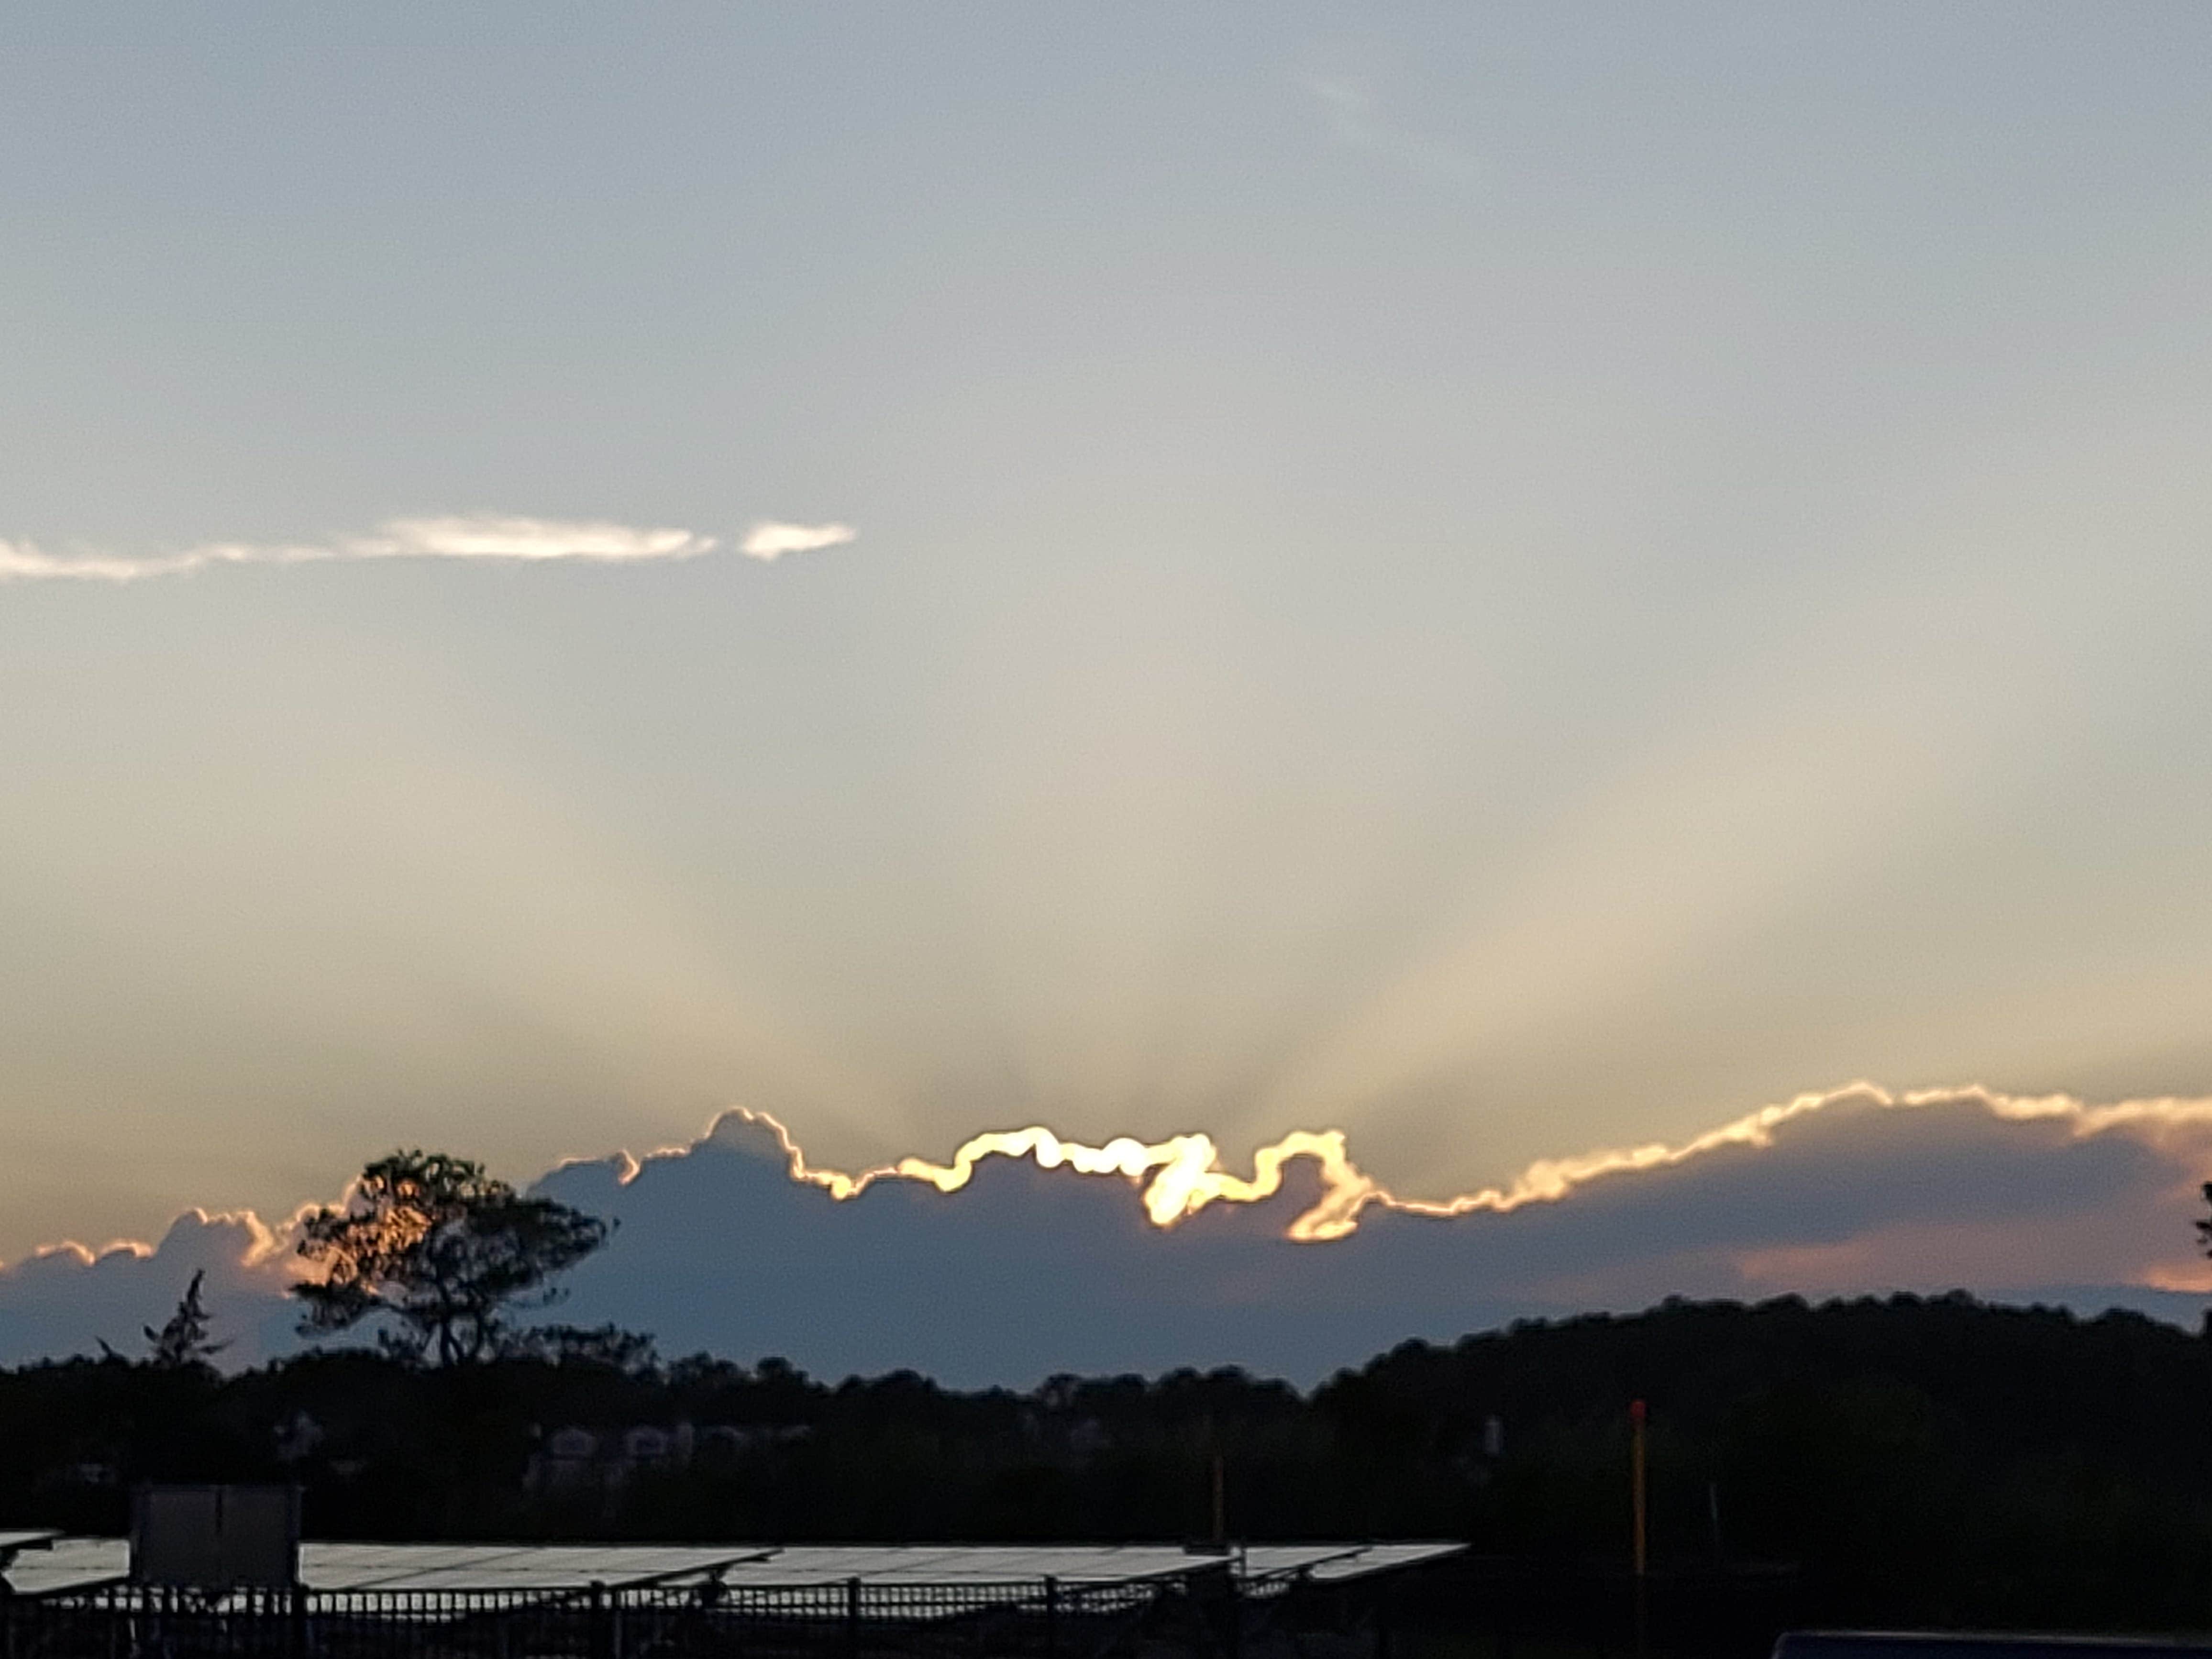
(1915, 1459)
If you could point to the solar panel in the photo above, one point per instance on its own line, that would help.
(965, 1563)
(69, 1564)
(1382, 1557)
(558, 1569)
(548, 1567)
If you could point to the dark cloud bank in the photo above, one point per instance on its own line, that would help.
(1028, 1272)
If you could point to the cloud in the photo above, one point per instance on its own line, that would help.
(488, 537)
(1027, 1254)
(769, 540)
(1354, 121)
(1026, 1268)
(477, 536)
(1181, 1175)
(70, 1299)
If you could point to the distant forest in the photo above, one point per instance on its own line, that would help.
(1913, 1460)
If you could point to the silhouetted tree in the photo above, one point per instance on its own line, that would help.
(433, 1242)
(185, 1341)
(609, 1345)
(1920, 1459)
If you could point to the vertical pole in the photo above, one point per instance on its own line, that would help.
(1636, 1416)
(1639, 1493)
(852, 1618)
(600, 1647)
(1220, 1506)
(1051, 1617)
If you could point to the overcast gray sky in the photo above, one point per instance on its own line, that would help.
(1506, 580)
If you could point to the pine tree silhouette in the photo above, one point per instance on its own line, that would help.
(183, 1340)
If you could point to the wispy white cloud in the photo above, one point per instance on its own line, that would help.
(1354, 121)
(770, 540)
(488, 537)
(476, 536)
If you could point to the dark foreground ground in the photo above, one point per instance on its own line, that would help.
(1897, 1463)
(1425, 1614)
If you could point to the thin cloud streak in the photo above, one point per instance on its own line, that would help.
(479, 536)
(770, 540)
(1354, 122)
(486, 537)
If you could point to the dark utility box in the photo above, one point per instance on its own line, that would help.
(216, 1537)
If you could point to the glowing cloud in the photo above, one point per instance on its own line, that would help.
(768, 541)
(475, 537)
(1848, 1191)
(488, 537)
(1183, 1175)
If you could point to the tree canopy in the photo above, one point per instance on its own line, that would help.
(1921, 1460)
(443, 1251)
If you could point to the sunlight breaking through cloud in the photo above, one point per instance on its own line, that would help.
(1856, 1190)
(1183, 1175)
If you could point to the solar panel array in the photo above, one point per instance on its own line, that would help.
(69, 1564)
(506, 1566)
(557, 1569)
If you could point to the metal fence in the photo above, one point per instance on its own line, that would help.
(698, 1619)
(1471, 1608)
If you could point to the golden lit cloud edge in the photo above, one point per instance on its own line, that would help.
(1181, 1175)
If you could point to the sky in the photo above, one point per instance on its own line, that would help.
(1504, 581)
